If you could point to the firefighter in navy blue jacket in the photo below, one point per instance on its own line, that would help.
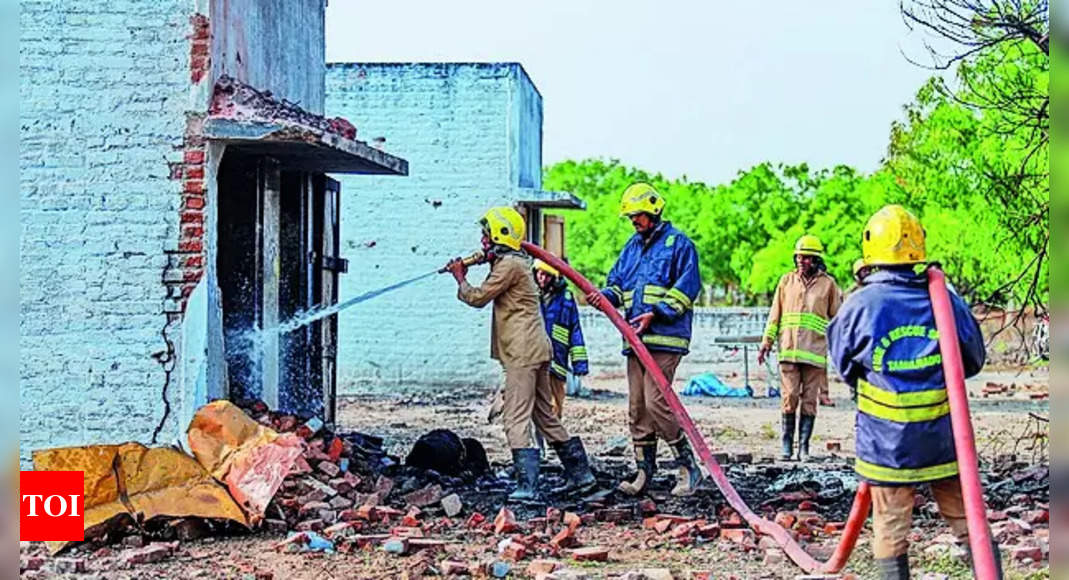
(885, 345)
(565, 333)
(656, 281)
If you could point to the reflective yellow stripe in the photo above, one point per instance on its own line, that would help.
(772, 331)
(578, 353)
(912, 399)
(904, 475)
(806, 320)
(558, 368)
(802, 355)
(673, 341)
(617, 292)
(933, 360)
(902, 414)
(681, 298)
(561, 334)
(629, 297)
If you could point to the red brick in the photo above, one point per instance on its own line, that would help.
(591, 554)
(193, 262)
(339, 502)
(368, 513)
(407, 532)
(191, 232)
(785, 520)
(194, 172)
(195, 202)
(1036, 516)
(505, 522)
(453, 568)
(475, 519)
(514, 552)
(737, 535)
(349, 515)
(612, 515)
(1033, 553)
(663, 526)
(329, 467)
(834, 527)
(200, 48)
(191, 275)
(807, 505)
(151, 553)
(834, 446)
(572, 520)
(647, 507)
(564, 539)
(200, 24)
(194, 186)
(542, 566)
(429, 495)
(709, 530)
(194, 157)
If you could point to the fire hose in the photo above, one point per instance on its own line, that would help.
(979, 536)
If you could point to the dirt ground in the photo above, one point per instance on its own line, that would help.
(730, 425)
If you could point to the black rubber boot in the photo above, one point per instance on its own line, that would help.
(576, 467)
(690, 475)
(646, 463)
(526, 463)
(896, 568)
(805, 431)
(788, 437)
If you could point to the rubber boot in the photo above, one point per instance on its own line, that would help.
(690, 475)
(788, 437)
(576, 467)
(646, 463)
(894, 568)
(526, 463)
(805, 431)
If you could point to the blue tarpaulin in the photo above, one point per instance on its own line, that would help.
(708, 385)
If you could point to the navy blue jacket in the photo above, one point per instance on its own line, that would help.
(884, 343)
(565, 333)
(659, 275)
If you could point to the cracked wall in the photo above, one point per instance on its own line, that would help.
(104, 92)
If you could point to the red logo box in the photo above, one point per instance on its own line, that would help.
(51, 506)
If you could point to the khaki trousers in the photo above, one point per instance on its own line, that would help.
(648, 409)
(527, 398)
(892, 515)
(802, 385)
(557, 389)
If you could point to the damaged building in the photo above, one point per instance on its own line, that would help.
(473, 133)
(175, 198)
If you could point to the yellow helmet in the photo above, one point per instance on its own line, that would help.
(504, 226)
(641, 198)
(893, 235)
(540, 265)
(858, 265)
(808, 245)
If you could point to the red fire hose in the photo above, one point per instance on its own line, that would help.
(858, 513)
(984, 566)
(979, 535)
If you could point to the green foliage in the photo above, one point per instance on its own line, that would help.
(969, 164)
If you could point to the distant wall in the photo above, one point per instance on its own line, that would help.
(459, 127)
(273, 45)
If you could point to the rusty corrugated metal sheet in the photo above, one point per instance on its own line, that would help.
(141, 483)
(252, 460)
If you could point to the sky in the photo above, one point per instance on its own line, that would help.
(702, 89)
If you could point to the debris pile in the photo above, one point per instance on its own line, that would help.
(233, 99)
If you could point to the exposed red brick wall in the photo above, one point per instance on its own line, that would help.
(199, 48)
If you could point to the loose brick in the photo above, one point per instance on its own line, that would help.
(453, 568)
(429, 495)
(151, 553)
(505, 522)
(591, 554)
(1027, 554)
(313, 507)
(564, 538)
(407, 532)
(340, 503)
(543, 566)
(310, 525)
(514, 551)
(612, 515)
(737, 535)
(329, 467)
(475, 520)
(572, 520)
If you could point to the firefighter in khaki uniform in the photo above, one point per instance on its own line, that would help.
(519, 342)
(885, 345)
(805, 300)
(656, 280)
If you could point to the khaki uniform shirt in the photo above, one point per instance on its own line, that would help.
(801, 310)
(518, 335)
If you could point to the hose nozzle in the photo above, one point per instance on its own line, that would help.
(476, 258)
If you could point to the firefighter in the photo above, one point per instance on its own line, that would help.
(806, 299)
(561, 315)
(519, 343)
(885, 346)
(656, 280)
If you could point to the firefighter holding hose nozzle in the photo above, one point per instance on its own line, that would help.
(885, 345)
(656, 280)
(519, 343)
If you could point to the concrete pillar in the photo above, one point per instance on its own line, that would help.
(270, 225)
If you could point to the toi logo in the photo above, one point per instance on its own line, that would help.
(51, 506)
